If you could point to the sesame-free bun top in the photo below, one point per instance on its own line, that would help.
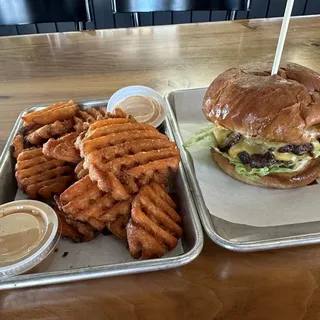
(280, 108)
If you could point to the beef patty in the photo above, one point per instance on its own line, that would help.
(257, 160)
(299, 149)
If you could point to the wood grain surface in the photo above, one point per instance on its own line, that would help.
(219, 284)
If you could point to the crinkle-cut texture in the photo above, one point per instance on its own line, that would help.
(104, 156)
(50, 122)
(63, 148)
(59, 111)
(58, 128)
(57, 120)
(75, 230)
(92, 114)
(122, 185)
(280, 108)
(123, 155)
(80, 125)
(117, 128)
(154, 227)
(84, 118)
(78, 141)
(40, 176)
(110, 121)
(115, 219)
(84, 201)
(138, 170)
(80, 171)
(17, 145)
(25, 131)
(88, 144)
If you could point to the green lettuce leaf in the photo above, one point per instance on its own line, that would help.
(205, 138)
(254, 173)
(316, 153)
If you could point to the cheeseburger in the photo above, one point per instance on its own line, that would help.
(266, 129)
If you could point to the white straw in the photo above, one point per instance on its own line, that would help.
(282, 36)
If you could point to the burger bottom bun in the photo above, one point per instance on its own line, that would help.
(303, 177)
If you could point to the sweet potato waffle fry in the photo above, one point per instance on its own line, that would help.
(80, 171)
(58, 128)
(75, 230)
(83, 119)
(41, 176)
(104, 170)
(56, 121)
(17, 145)
(85, 202)
(115, 219)
(154, 227)
(59, 111)
(123, 155)
(63, 148)
(39, 126)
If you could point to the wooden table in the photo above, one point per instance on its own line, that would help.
(219, 284)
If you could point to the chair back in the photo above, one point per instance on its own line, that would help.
(132, 6)
(16, 12)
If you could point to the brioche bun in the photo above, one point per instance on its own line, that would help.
(282, 108)
(279, 108)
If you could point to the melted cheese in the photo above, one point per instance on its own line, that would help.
(245, 145)
(220, 134)
(253, 146)
(316, 145)
(285, 156)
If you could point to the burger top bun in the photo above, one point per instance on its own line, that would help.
(280, 108)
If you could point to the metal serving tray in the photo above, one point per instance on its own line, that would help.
(237, 237)
(105, 256)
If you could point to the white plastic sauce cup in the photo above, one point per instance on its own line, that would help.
(130, 91)
(29, 233)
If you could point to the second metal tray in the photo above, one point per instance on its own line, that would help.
(105, 256)
(233, 236)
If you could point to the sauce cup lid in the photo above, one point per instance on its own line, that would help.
(154, 100)
(29, 231)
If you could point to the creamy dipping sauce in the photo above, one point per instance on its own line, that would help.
(22, 231)
(143, 109)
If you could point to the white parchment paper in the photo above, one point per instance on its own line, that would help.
(230, 199)
(103, 250)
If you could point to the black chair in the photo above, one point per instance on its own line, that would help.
(136, 6)
(19, 12)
